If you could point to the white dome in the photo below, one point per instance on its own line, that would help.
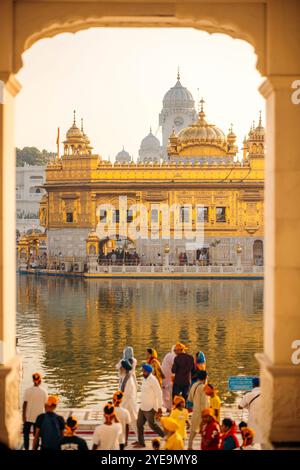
(150, 142)
(150, 149)
(123, 157)
(178, 97)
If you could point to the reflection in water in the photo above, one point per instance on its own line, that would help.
(74, 331)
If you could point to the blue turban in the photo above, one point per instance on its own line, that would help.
(147, 368)
(255, 382)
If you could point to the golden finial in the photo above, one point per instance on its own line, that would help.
(82, 125)
(74, 120)
(201, 105)
(178, 73)
(259, 122)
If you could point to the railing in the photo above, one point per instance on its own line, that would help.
(100, 269)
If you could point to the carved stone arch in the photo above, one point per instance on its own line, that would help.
(34, 22)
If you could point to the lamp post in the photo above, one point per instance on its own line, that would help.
(239, 251)
(167, 251)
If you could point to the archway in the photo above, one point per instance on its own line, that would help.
(22, 23)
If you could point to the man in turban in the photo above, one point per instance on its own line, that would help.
(49, 426)
(151, 405)
(183, 366)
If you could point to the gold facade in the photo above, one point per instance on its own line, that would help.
(201, 170)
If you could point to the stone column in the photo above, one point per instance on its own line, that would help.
(280, 416)
(10, 424)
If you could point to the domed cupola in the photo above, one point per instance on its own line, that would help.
(76, 142)
(123, 157)
(200, 139)
(178, 112)
(150, 150)
(178, 97)
(74, 133)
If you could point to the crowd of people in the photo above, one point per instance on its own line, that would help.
(118, 258)
(175, 397)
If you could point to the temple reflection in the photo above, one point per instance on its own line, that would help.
(74, 331)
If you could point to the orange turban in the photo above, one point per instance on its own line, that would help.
(53, 400)
(178, 399)
(36, 377)
(180, 347)
(118, 396)
(208, 412)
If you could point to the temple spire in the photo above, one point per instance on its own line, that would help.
(178, 73)
(201, 105)
(82, 125)
(74, 118)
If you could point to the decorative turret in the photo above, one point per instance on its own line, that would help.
(256, 140)
(231, 139)
(76, 143)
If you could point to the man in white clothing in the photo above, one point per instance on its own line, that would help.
(252, 402)
(107, 435)
(35, 398)
(151, 405)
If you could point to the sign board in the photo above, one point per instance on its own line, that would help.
(240, 382)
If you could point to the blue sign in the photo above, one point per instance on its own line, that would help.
(240, 383)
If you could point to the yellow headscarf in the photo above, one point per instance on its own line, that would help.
(169, 424)
(178, 399)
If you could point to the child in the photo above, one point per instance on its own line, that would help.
(210, 431)
(174, 440)
(229, 440)
(215, 402)
(181, 415)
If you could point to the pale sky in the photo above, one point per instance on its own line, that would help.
(115, 78)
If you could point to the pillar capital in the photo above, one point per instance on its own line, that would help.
(277, 82)
(9, 82)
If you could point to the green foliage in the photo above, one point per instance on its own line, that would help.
(33, 156)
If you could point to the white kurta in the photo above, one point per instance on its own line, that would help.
(129, 401)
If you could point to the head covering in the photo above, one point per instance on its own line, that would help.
(208, 412)
(71, 425)
(169, 424)
(36, 377)
(255, 382)
(209, 389)
(180, 346)
(109, 410)
(200, 358)
(118, 396)
(153, 352)
(178, 399)
(147, 368)
(128, 353)
(126, 365)
(52, 400)
(247, 435)
(201, 374)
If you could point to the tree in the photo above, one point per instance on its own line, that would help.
(33, 156)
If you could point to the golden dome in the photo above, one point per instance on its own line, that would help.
(74, 132)
(202, 134)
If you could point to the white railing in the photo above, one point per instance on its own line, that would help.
(100, 269)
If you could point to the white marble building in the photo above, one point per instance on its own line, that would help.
(29, 191)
